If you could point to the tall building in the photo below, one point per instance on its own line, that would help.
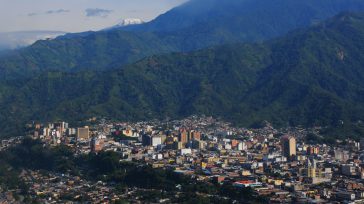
(96, 144)
(234, 143)
(61, 127)
(341, 155)
(183, 136)
(195, 135)
(71, 131)
(156, 140)
(311, 150)
(288, 146)
(46, 132)
(83, 133)
(311, 167)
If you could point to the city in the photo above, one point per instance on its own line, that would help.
(182, 101)
(280, 165)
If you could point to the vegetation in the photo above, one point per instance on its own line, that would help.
(311, 77)
(106, 166)
(189, 27)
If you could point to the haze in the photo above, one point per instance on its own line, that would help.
(76, 15)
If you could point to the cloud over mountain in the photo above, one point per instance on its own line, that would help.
(14, 40)
(58, 11)
(97, 12)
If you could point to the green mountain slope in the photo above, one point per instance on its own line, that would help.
(310, 77)
(194, 25)
(94, 51)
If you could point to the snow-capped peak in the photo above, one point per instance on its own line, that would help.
(130, 21)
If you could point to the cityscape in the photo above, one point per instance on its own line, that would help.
(182, 101)
(278, 164)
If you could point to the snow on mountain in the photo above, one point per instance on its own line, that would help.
(130, 21)
(126, 22)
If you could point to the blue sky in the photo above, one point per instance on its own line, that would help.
(76, 15)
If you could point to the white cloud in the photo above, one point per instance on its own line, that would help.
(97, 12)
(58, 11)
(70, 16)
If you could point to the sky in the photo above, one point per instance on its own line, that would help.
(76, 15)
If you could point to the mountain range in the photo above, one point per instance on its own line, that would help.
(129, 21)
(310, 76)
(195, 25)
(16, 40)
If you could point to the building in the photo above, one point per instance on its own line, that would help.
(348, 169)
(96, 144)
(242, 146)
(83, 133)
(288, 146)
(341, 155)
(197, 144)
(61, 127)
(195, 135)
(71, 131)
(178, 145)
(311, 150)
(128, 133)
(234, 143)
(345, 196)
(247, 183)
(183, 137)
(186, 151)
(311, 168)
(46, 132)
(156, 140)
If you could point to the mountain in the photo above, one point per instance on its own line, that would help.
(15, 40)
(126, 22)
(130, 21)
(78, 52)
(309, 77)
(194, 25)
(245, 20)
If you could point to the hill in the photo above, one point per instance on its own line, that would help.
(194, 25)
(247, 20)
(14, 40)
(78, 52)
(309, 77)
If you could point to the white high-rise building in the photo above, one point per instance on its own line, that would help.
(156, 140)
